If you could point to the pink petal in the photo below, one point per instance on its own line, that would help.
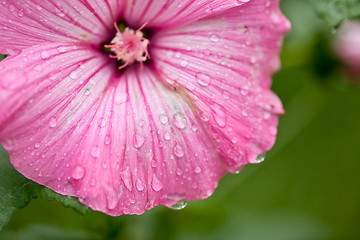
(121, 143)
(26, 23)
(173, 13)
(347, 45)
(224, 64)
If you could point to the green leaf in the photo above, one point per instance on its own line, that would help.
(335, 11)
(16, 192)
(2, 57)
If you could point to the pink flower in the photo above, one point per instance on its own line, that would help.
(155, 132)
(347, 45)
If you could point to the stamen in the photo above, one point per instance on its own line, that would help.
(129, 46)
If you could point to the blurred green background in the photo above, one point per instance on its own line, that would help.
(308, 188)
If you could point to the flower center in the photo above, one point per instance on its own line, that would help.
(129, 46)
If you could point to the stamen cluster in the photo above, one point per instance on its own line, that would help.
(129, 46)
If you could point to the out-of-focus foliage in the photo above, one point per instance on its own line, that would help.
(16, 192)
(335, 11)
(2, 57)
(307, 188)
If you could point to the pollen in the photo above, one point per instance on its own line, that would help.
(129, 46)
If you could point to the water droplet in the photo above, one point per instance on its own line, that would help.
(61, 49)
(156, 184)
(107, 140)
(184, 63)
(180, 205)
(44, 54)
(179, 171)
(203, 79)
(37, 145)
(154, 164)
(167, 136)
(179, 150)
(111, 199)
(226, 95)
(197, 170)
(260, 158)
(13, 78)
(38, 68)
(101, 122)
(95, 152)
(163, 118)
(138, 141)
(11, 8)
(74, 75)
(53, 122)
(78, 173)
(140, 185)
(92, 182)
(126, 177)
(219, 115)
(214, 38)
(20, 13)
(180, 120)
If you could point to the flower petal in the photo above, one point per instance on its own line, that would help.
(26, 23)
(122, 143)
(42, 103)
(225, 63)
(173, 13)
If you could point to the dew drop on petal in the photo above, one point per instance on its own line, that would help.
(163, 119)
(156, 184)
(95, 152)
(61, 49)
(74, 75)
(138, 141)
(44, 54)
(107, 140)
(219, 116)
(53, 122)
(260, 158)
(203, 79)
(180, 120)
(78, 173)
(197, 170)
(92, 182)
(140, 185)
(179, 150)
(167, 136)
(179, 171)
(101, 123)
(111, 199)
(214, 38)
(13, 78)
(226, 95)
(38, 68)
(180, 205)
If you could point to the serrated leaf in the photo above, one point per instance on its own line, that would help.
(335, 11)
(16, 192)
